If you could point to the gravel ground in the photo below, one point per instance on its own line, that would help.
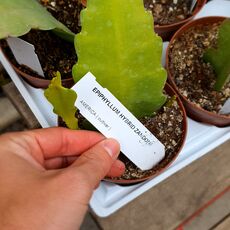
(16, 126)
(19, 125)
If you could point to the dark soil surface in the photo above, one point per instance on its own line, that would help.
(195, 78)
(54, 53)
(65, 11)
(168, 11)
(167, 126)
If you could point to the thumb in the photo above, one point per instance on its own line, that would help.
(94, 164)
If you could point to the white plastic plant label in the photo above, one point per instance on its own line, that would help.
(24, 53)
(226, 107)
(112, 119)
(193, 4)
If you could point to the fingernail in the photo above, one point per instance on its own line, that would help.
(112, 147)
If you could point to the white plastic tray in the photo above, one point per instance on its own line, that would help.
(109, 197)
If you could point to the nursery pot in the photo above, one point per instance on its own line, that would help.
(84, 2)
(166, 31)
(195, 112)
(167, 161)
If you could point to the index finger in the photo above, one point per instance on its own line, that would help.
(55, 142)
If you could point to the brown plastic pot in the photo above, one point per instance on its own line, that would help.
(193, 111)
(37, 81)
(170, 91)
(84, 2)
(167, 31)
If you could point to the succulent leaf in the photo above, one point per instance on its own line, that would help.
(219, 57)
(19, 17)
(118, 45)
(63, 101)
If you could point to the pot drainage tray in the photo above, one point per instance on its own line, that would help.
(110, 197)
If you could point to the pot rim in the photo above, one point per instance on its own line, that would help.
(170, 78)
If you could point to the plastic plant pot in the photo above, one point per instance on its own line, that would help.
(194, 111)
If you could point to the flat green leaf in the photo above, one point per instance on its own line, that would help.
(220, 57)
(20, 16)
(117, 44)
(63, 100)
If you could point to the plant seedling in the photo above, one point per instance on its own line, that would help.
(63, 100)
(219, 57)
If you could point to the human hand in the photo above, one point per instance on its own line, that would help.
(47, 176)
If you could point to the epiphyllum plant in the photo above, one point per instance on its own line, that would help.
(118, 46)
(120, 49)
(219, 57)
(19, 17)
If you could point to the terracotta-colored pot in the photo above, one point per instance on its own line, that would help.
(167, 31)
(193, 110)
(84, 2)
(37, 82)
(170, 91)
